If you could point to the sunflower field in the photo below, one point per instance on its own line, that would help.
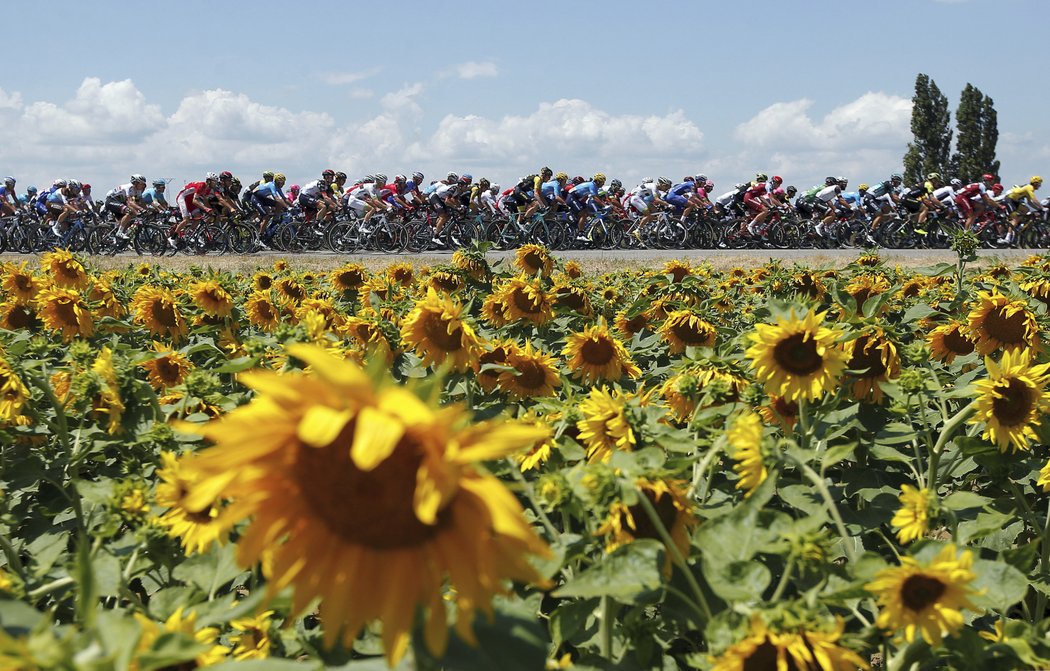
(520, 465)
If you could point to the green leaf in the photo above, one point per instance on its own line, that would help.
(837, 453)
(738, 580)
(569, 618)
(917, 312)
(629, 572)
(985, 524)
(964, 500)
(237, 365)
(513, 640)
(210, 570)
(998, 584)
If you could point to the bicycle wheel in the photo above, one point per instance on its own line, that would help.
(150, 239)
(340, 238)
(240, 239)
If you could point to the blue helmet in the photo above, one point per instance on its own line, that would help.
(31, 189)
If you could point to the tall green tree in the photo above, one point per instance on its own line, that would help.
(930, 148)
(978, 133)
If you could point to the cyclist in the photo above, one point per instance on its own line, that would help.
(154, 197)
(27, 199)
(445, 199)
(553, 191)
(885, 197)
(529, 189)
(828, 200)
(412, 194)
(316, 199)
(8, 197)
(125, 201)
(193, 199)
(757, 200)
(369, 198)
(269, 199)
(1014, 199)
(974, 199)
(581, 201)
(61, 203)
(644, 199)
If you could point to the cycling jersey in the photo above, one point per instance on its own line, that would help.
(944, 194)
(551, 189)
(268, 190)
(971, 190)
(683, 189)
(584, 190)
(314, 189)
(7, 196)
(123, 192)
(829, 193)
(57, 197)
(1019, 193)
(151, 196)
(851, 197)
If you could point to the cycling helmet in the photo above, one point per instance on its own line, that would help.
(997, 188)
(138, 179)
(646, 180)
(777, 179)
(561, 177)
(1036, 180)
(380, 178)
(761, 177)
(738, 186)
(862, 187)
(546, 171)
(225, 174)
(368, 178)
(278, 177)
(483, 183)
(31, 189)
(451, 177)
(494, 188)
(212, 177)
(842, 180)
(701, 178)
(689, 178)
(828, 181)
(598, 177)
(663, 181)
(987, 177)
(417, 177)
(59, 183)
(340, 176)
(933, 176)
(956, 183)
(400, 179)
(896, 177)
(329, 173)
(791, 191)
(268, 174)
(578, 179)
(85, 187)
(73, 184)
(615, 184)
(159, 183)
(237, 183)
(708, 185)
(9, 181)
(294, 188)
(466, 178)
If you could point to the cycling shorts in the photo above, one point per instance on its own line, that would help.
(678, 202)
(264, 205)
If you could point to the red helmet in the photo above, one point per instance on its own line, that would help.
(85, 187)
(997, 188)
(987, 178)
(225, 174)
(778, 179)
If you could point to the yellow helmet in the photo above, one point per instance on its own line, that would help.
(598, 177)
(1036, 180)
(278, 177)
(561, 176)
(862, 187)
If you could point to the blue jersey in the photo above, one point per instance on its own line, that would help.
(851, 197)
(6, 195)
(551, 189)
(152, 196)
(427, 190)
(269, 190)
(584, 190)
(682, 189)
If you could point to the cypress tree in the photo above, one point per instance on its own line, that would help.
(977, 124)
(989, 136)
(929, 150)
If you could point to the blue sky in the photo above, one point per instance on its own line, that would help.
(803, 89)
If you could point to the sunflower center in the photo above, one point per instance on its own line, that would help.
(764, 658)
(956, 342)
(597, 351)
(19, 318)
(525, 303)
(437, 331)
(164, 314)
(265, 311)
(665, 510)
(867, 356)
(1006, 328)
(571, 300)
(797, 354)
(531, 375)
(921, 591)
(23, 283)
(1014, 404)
(168, 371)
(532, 261)
(263, 283)
(372, 508)
(66, 313)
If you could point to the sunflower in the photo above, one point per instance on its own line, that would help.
(261, 311)
(745, 437)
(913, 287)
(251, 639)
(435, 328)
(108, 303)
(863, 287)
(1039, 289)
(874, 358)
(535, 373)
(573, 269)
(495, 353)
(809, 649)
(167, 370)
(65, 311)
(262, 281)
(950, 340)
(595, 354)
(108, 402)
(780, 411)
(492, 310)
(532, 259)
(925, 599)
(13, 394)
(158, 310)
(20, 284)
(368, 336)
(678, 269)
(912, 518)
(291, 291)
(1011, 400)
(797, 358)
(625, 524)
(808, 284)
(182, 623)
(997, 322)
(684, 329)
(65, 269)
(573, 299)
(348, 278)
(445, 281)
(629, 326)
(15, 316)
(683, 391)
(604, 426)
(400, 273)
(376, 485)
(211, 298)
(521, 299)
(196, 527)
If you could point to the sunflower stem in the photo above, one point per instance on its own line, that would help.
(782, 584)
(946, 433)
(530, 494)
(50, 587)
(833, 510)
(1044, 562)
(676, 554)
(699, 470)
(605, 629)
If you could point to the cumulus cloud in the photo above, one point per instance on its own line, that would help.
(344, 78)
(473, 70)
(99, 113)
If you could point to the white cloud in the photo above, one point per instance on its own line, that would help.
(10, 100)
(361, 94)
(473, 70)
(344, 78)
(112, 113)
(404, 99)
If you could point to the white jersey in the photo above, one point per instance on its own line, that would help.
(314, 189)
(123, 192)
(829, 193)
(945, 194)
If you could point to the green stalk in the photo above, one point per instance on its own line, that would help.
(605, 633)
(530, 494)
(818, 482)
(1044, 563)
(676, 554)
(782, 585)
